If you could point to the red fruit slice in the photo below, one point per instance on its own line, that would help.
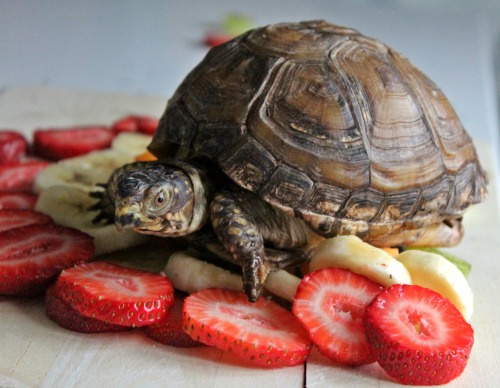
(262, 333)
(13, 146)
(419, 337)
(17, 200)
(213, 39)
(15, 218)
(169, 331)
(62, 143)
(32, 256)
(125, 124)
(136, 123)
(116, 294)
(330, 303)
(66, 316)
(20, 176)
(147, 125)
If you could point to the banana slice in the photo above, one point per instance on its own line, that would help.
(64, 189)
(349, 252)
(433, 271)
(85, 171)
(82, 172)
(68, 206)
(131, 143)
(190, 274)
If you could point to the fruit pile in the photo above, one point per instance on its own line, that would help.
(39, 238)
(357, 304)
(230, 26)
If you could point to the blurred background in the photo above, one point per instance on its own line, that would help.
(147, 47)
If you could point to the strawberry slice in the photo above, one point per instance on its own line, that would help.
(330, 303)
(15, 218)
(213, 39)
(66, 316)
(125, 124)
(169, 331)
(18, 200)
(263, 333)
(13, 146)
(136, 123)
(419, 337)
(62, 143)
(147, 124)
(20, 176)
(32, 256)
(116, 294)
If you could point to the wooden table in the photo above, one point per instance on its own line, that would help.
(35, 352)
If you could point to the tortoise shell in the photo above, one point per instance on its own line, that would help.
(330, 126)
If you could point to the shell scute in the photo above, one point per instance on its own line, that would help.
(333, 127)
(248, 162)
(286, 188)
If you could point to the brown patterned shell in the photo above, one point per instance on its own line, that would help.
(333, 127)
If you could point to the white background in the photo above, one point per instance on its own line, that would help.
(147, 47)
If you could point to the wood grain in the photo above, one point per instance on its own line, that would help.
(35, 352)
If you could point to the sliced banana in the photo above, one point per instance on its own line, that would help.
(64, 189)
(189, 274)
(85, 171)
(350, 252)
(82, 172)
(68, 206)
(433, 271)
(132, 143)
(282, 283)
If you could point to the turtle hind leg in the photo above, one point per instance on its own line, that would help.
(243, 222)
(279, 259)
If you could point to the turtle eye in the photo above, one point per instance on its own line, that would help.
(160, 200)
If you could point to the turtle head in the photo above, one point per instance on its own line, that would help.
(161, 199)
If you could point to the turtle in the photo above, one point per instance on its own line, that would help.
(295, 130)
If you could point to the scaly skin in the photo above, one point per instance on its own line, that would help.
(241, 223)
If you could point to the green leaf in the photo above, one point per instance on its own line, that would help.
(461, 264)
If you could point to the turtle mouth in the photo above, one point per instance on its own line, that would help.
(134, 222)
(127, 221)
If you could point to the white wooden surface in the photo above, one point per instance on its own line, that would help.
(35, 352)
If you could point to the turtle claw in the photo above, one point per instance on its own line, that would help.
(104, 206)
(255, 272)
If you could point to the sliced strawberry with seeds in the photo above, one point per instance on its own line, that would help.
(330, 303)
(20, 176)
(62, 143)
(15, 218)
(136, 123)
(66, 316)
(263, 333)
(13, 146)
(32, 256)
(169, 331)
(17, 200)
(116, 294)
(419, 337)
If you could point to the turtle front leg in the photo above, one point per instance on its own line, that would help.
(244, 223)
(104, 206)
